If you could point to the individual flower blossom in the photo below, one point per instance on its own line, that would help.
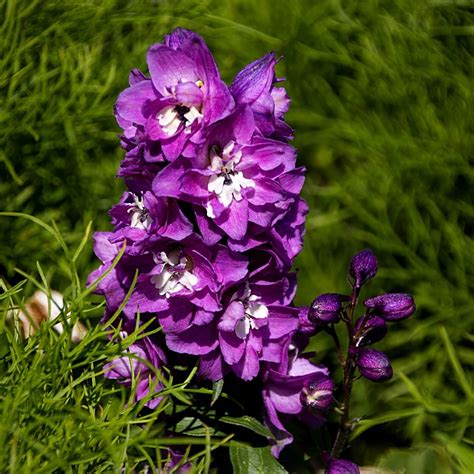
(237, 177)
(327, 308)
(184, 284)
(374, 365)
(341, 466)
(145, 219)
(183, 95)
(255, 325)
(392, 306)
(138, 364)
(317, 393)
(370, 329)
(363, 267)
(255, 86)
(282, 395)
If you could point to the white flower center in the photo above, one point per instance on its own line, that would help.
(252, 310)
(171, 117)
(175, 275)
(140, 217)
(227, 182)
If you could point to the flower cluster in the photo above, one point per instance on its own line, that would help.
(212, 221)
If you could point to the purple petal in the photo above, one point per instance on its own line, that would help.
(189, 93)
(196, 340)
(131, 101)
(169, 67)
(254, 80)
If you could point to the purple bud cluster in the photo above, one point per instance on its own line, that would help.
(370, 328)
(210, 225)
(331, 308)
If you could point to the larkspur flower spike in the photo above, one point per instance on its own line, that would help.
(212, 219)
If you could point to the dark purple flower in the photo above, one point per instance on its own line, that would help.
(139, 363)
(392, 306)
(183, 95)
(317, 393)
(371, 329)
(363, 267)
(327, 308)
(342, 466)
(374, 365)
(255, 86)
(282, 395)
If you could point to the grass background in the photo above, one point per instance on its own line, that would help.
(382, 110)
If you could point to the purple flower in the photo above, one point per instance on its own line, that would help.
(139, 363)
(392, 306)
(183, 95)
(342, 466)
(371, 329)
(327, 308)
(363, 267)
(282, 395)
(238, 178)
(374, 365)
(317, 394)
(183, 287)
(255, 325)
(145, 219)
(255, 86)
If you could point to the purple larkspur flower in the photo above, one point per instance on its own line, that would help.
(392, 306)
(183, 287)
(255, 325)
(145, 219)
(282, 395)
(184, 95)
(237, 177)
(317, 393)
(255, 86)
(139, 363)
(374, 365)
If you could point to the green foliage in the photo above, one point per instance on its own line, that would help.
(381, 107)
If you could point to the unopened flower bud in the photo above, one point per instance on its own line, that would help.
(318, 393)
(326, 308)
(374, 365)
(363, 267)
(374, 328)
(392, 306)
(342, 466)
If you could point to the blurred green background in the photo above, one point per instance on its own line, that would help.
(382, 109)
